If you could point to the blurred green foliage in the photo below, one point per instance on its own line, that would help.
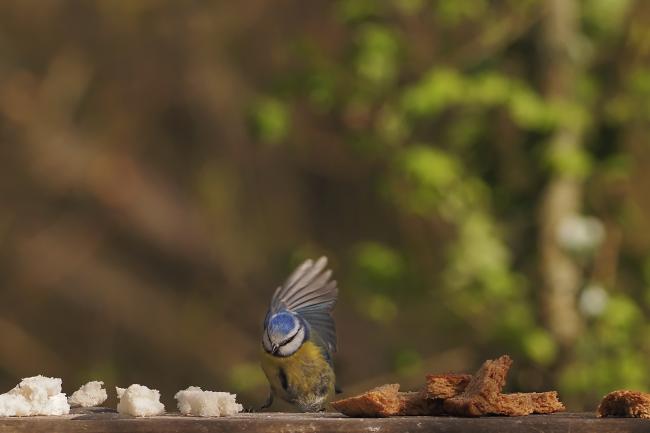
(164, 165)
(269, 120)
(449, 131)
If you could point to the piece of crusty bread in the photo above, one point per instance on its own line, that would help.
(481, 393)
(386, 400)
(378, 402)
(453, 394)
(519, 404)
(418, 404)
(446, 385)
(625, 403)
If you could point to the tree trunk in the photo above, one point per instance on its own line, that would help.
(562, 197)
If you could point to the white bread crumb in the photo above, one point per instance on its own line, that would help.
(138, 400)
(195, 402)
(36, 395)
(89, 395)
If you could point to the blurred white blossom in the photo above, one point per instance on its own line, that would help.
(580, 234)
(593, 300)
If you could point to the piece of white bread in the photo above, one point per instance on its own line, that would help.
(193, 401)
(36, 395)
(138, 400)
(89, 395)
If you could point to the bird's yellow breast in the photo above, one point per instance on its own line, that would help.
(304, 378)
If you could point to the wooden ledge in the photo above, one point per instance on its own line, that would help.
(101, 420)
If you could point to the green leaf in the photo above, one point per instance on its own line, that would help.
(540, 347)
(358, 10)
(408, 362)
(569, 159)
(430, 167)
(269, 120)
(438, 90)
(455, 11)
(379, 262)
(376, 59)
(606, 15)
(379, 308)
(528, 109)
(490, 89)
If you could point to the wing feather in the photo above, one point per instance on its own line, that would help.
(304, 279)
(323, 298)
(298, 273)
(323, 323)
(320, 288)
(309, 293)
(298, 284)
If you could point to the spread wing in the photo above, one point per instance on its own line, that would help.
(309, 292)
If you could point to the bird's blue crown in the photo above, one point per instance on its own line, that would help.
(282, 323)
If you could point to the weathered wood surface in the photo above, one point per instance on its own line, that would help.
(107, 421)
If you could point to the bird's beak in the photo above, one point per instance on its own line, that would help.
(274, 348)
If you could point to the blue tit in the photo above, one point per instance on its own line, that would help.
(300, 337)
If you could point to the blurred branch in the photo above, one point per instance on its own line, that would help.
(64, 159)
(495, 37)
(606, 261)
(73, 273)
(562, 197)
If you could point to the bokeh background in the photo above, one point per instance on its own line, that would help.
(478, 173)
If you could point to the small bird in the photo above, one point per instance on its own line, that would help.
(300, 337)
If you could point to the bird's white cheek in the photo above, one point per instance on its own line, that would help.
(291, 347)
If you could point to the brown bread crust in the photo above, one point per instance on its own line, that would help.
(382, 401)
(519, 404)
(625, 403)
(480, 395)
(455, 394)
(386, 401)
(446, 385)
(418, 404)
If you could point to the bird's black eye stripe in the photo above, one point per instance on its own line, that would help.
(290, 339)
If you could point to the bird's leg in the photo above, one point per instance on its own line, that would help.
(268, 403)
